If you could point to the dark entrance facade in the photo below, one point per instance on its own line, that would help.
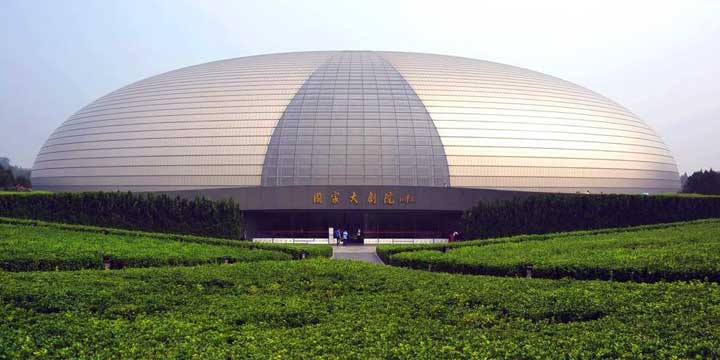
(372, 224)
(380, 212)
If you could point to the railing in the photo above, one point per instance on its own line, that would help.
(315, 236)
(377, 234)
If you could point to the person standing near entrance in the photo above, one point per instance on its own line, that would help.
(345, 236)
(337, 236)
(359, 235)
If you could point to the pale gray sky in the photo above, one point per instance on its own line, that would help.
(659, 59)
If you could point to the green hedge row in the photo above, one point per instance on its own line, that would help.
(386, 252)
(684, 252)
(541, 214)
(45, 248)
(296, 251)
(126, 210)
(348, 310)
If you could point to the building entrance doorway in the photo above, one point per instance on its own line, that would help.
(372, 224)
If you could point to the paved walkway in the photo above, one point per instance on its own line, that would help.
(356, 252)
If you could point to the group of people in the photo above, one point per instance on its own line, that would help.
(454, 236)
(341, 236)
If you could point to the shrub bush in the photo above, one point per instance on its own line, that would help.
(295, 250)
(126, 210)
(386, 252)
(541, 214)
(43, 248)
(348, 310)
(689, 251)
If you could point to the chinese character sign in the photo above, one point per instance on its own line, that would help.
(389, 199)
(407, 199)
(318, 198)
(354, 198)
(372, 198)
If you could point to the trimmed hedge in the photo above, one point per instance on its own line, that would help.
(296, 251)
(43, 248)
(348, 310)
(682, 252)
(126, 210)
(386, 252)
(539, 214)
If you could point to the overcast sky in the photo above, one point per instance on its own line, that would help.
(659, 59)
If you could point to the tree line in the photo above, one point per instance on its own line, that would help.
(13, 177)
(705, 182)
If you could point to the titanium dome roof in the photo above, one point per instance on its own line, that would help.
(355, 118)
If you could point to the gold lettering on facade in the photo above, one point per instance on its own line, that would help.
(354, 198)
(372, 198)
(407, 199)
(389, 199)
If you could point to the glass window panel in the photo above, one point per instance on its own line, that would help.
(302, 180)
(303, 159)
(321, 140)
(337, 180)
(285, 181)
(337, 139)
(321, 149)
(320, 181)
(407, 181)
(405, 140)
(303, 171)
(424, 181)
(320, 159)
(320, 170)
(286, 171)
(269, 181)
(425, 141)
(389, 180)
(372, 123)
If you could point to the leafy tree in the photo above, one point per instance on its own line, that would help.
(23, 181)
(7, 180)
(703, 182)
(10, 175)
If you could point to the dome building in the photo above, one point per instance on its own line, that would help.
(387, 141)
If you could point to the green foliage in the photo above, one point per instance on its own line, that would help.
(386, 252)
(7, 180)
(296, 251)
(24, 193)
(541, 214)
(703, 182)
(25, 248)
(343, 309)
(12, 177)
(144, 211)
(681, 252)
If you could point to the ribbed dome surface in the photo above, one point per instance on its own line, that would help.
(355, 118)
